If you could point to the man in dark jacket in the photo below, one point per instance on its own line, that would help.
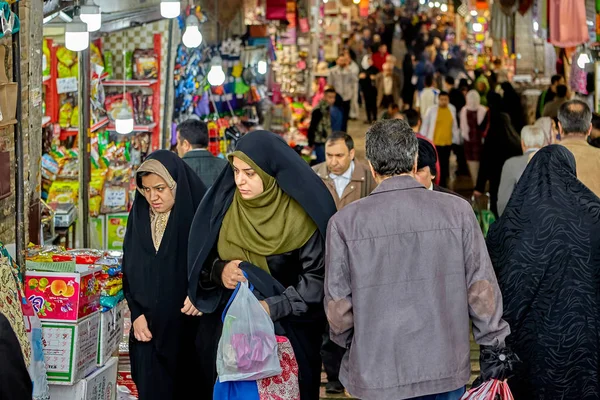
(192, 141)
(15, 383)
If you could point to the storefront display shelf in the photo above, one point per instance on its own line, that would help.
(138, 83)
(136, 128)
(101, 124)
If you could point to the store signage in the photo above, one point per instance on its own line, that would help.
(66, 85)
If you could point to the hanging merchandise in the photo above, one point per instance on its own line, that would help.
(568, 25)
(276, 9)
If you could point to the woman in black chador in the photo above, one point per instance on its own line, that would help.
(265, 215)
(161, 344)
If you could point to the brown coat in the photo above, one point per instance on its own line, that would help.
(361, 184)
(396, 88)
(587, 158)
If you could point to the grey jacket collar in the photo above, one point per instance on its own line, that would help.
(198, 153)
(402, 182)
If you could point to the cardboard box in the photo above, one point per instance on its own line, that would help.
(101, 385)
(111, 332)
(70, 350)
(116, 225)
(64, 296)
(126, 384)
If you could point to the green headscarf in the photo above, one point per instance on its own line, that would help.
(271, 223)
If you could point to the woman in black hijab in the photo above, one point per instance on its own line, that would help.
(266, 215)
(512, 106)
(546, 251)
(501, 143)
(408, 90)
(155, 278)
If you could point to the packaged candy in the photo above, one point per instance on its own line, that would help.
(49, 167)
(146, 64)
(66, 56)
(75, 116)
(69, 169)
(114, 103)
(95, 55)
(108, 63)
(64, 115)
(64, 71)
(64, 192)
(128, 65)
(46, 58)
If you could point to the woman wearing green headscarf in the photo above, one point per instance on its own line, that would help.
(266, 216)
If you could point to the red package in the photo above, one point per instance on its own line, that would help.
(125, 380)
(86, 259)
(61, 258)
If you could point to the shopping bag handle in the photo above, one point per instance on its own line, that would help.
(236, 290)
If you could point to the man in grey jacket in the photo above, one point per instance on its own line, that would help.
(406, 269)
(532, 139)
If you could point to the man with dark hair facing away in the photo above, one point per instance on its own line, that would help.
(575, 126)
(548, 95)
(551, 109)
(192, 143)
(406, 272)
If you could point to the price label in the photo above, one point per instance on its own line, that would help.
(115, 197)
(66, 85)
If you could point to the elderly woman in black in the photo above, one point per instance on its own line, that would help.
(267, 216)
(155, 278)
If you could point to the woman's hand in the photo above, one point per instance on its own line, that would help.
(232, 274)
(189, 309)
(140, 329)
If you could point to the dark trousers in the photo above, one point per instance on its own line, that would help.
(454, 395)
(444, 156)
(371, 108)
(332, 355)
(320, 152)
(461, 160)
(386, 101)
(346, 113)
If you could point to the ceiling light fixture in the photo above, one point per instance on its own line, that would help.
(77, 37)
(192, 37)
(170, 8)
(92, 16)
(216, 76)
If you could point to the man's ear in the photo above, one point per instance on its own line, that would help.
(352, 154)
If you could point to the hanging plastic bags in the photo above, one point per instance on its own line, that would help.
(248, 347)
(490, 390)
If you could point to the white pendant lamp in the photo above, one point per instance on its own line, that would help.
(170, 8)
(444, 8)
(192, 37)
(356, 1)
(77, 37)
(124, 122)
(216, 76)
(261, 67)
(91, 15)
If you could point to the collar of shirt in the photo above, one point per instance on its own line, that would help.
(341, 181)
(430, 187)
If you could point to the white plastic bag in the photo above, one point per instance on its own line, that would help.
(248, 348)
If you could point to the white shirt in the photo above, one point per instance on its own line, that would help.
(388, 85)
(426, 99)
(341, 181)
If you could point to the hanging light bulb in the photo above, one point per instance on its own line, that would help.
(124, 121)
(444, 8)
(477, 27)
(422, 2)
(437, 4)
(430, 4)
(356, 1)
(262, 67)
(583, 59)
(325, 1)
(91, 15)
(536, 26)
(77, 37)
(192, 37)
(170, 8)
(216, 76)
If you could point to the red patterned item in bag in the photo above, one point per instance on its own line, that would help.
(490, 390)
(284, 386)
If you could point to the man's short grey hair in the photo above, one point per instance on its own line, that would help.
(392, 147)
(575, 116)
(533, 137)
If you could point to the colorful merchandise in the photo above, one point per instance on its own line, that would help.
(145, 64)
(101, 385)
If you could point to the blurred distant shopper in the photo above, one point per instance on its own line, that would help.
(427, 167)
(380, 57)
(388, 87)
(355, 69)
(512, 105)
(594, 138)
(458, 100)
(344, 81)
(473, 127)
(500, 71)
(427, 98)
(192, 143)
(548, 95)
(548, 126)
(408, 88)
(423, 69)
(433, 276)
(575, 126)
(440, 125)
(532, 139)
(551, 108)
(325, 119)
(482, 86)
(15, 383)
(367, 81)
(392, 109)
(501, 143)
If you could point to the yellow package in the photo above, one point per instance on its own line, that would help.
(95, 204)
(66, 56)
(46, 63)
(95, 55)
(75, 116)
(64, 192)
(64, 115)
(63, 71)
(75, 71)
(237, 70)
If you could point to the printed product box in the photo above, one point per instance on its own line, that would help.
(99, 230)
(101, 385)
(116, 225)
(70, 350)
(111, 332)
(126, 386)
(63, 296)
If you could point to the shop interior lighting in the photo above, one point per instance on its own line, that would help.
(124, 120)
(77, 37)
(216, 76)
(422, 2)
(477, 27)
(325, 1)
(437, 4)
(536, 26)
(583, 59)
(474, 13)
(444, 7)
(356, 1)
(262, 67)
(170, 8)
(430, 4)
(91, 15)
(192, 37)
